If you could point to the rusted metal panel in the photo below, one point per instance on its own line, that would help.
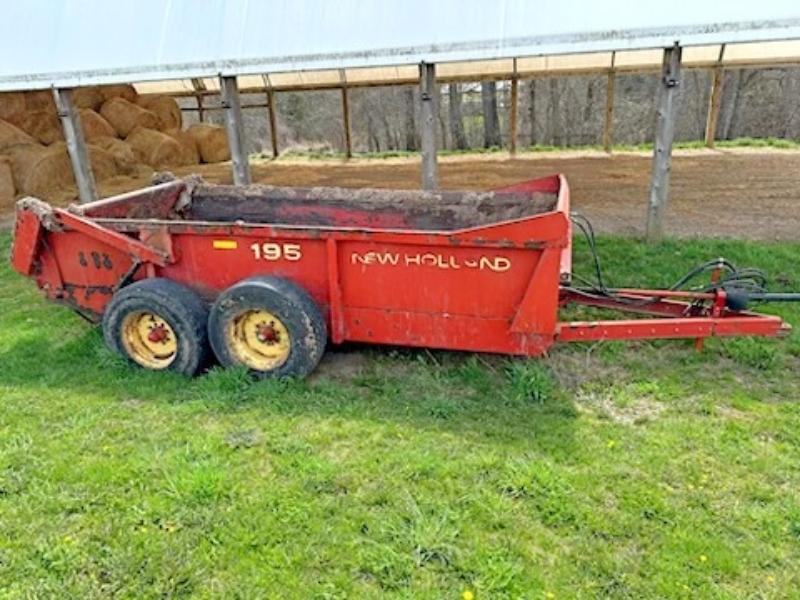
(155, 202)
(27, 236)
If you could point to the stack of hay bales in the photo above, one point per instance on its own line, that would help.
(125, 133)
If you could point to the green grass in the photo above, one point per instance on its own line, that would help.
(625, 470)
(744, 142)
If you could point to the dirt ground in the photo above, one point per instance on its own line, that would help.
(734, 193)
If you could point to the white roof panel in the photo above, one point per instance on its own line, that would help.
(86, 42)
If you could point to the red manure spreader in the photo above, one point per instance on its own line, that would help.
(265, 277)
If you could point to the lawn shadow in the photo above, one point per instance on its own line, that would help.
(480, 398)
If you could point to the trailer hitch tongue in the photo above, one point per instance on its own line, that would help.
(737, 299)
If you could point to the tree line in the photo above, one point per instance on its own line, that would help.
(552, 111)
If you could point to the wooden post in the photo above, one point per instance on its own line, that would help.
(427, 96)
(201, 113)
(348, 144)
(513, 110)
(273, 122)
(715, 100)
(199, 87)
(665, 133)
(76, 145)
(608, 123)
(233, 122)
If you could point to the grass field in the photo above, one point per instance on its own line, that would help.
(326, 153)
(617, 470)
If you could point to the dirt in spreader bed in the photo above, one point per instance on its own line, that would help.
(335, 206)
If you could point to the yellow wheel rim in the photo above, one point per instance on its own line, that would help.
(149, 340)
(259, 340)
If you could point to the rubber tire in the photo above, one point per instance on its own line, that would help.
(182, 308)
(287, 301)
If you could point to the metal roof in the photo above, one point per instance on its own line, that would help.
(758, 54)
(70, 43)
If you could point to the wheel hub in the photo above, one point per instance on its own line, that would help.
(267, 333)
(259, 339)
(149, 340)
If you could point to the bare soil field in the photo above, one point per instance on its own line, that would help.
(747, 194)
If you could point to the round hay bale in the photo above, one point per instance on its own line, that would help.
(7, 189)
(212, 142)
(12, 136)
(42, 125)
(125, 90)
(94, 126)
(11, 103)
(87, 97)
(154, 148)
(39, 170)
(40, 100)
(124, 157)
(126, 116)
(166, 108)
(190, 155)
(103, 163)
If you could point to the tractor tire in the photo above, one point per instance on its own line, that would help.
(269, 325)
(158, 324)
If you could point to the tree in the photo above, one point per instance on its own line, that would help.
(411, 120)
(532, 109)
(372, 134)
(456, 118)
(553, 132)
(491, 121)
(742, 79)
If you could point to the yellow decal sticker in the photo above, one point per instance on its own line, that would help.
(225, 244)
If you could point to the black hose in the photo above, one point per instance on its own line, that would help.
(775, 297)
(746, 284)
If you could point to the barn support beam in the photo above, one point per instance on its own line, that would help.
(348, 142)
(199, 88)
(427, 96)
(513, 112)
(665, 134)
(273, 122)
(233, 122)
(608, 122)
(76, 145)
(201, 113)
(715, 99)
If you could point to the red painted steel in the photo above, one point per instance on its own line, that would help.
(488, 288)
(27, 236)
